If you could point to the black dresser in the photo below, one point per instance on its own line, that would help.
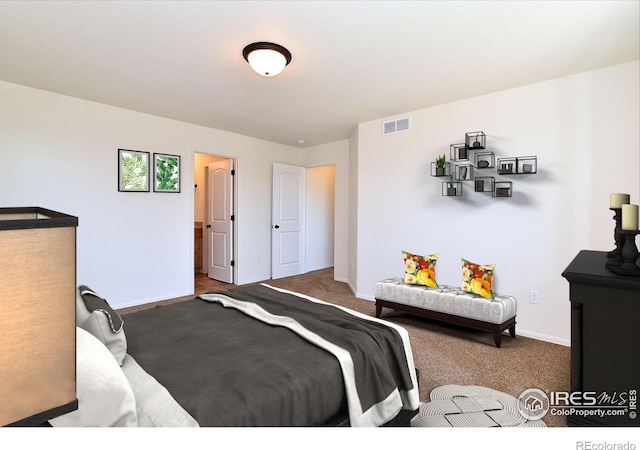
(605, 340)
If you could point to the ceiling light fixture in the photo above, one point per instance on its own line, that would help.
(266, 58)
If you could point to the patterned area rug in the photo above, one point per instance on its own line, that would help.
(471, 406)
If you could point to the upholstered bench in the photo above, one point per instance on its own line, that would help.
(449, 304)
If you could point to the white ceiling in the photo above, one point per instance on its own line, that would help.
(353, 61)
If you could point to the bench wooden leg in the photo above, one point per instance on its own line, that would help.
(497, 338)
(378, 311)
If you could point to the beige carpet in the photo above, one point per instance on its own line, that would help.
(446, 354)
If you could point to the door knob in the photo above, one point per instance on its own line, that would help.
(209, 225)
(276, 226)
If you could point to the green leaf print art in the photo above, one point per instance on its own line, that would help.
(133, 171)
(166, 173)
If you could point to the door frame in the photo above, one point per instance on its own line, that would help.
(234, 207)
(227, 271)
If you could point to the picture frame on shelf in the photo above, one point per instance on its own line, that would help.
(133, 170)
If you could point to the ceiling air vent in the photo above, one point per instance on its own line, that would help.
(396, 126)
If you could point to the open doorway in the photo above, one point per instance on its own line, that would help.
(215, 229)
(320, 211)
(303, 219)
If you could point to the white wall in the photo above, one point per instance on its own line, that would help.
(320, 220)
(585, 131)
(60, 152)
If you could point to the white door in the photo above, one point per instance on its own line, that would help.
(219, 220)
(288, 224)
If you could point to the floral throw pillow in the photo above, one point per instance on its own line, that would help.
(478, 278)
(420, 269)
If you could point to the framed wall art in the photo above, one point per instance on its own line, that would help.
(133, 171)
(166, 173)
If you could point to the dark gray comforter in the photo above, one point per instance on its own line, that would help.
(229, 369)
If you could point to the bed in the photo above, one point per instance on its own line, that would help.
(250, 356)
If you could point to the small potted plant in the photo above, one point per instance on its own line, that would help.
(440, 160)
(451, 188)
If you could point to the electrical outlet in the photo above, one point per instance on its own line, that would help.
(534, 297)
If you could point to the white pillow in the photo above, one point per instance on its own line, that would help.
(98, 325)
(105, 397)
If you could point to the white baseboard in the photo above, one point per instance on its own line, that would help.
(151, 300)
(371, 298)
(313, 269)
(543, 337)
(255, 280)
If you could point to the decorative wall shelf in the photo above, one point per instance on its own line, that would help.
(517, 165)
(436, 172)
(484, 184)
(475, 140)
(451, 189)
(463, 172)
(473, 150)
(507, 166)
(502, 189)
(484, 160)
(459, 152)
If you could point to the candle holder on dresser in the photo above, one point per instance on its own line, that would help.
(629, 255)
(614, 257)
